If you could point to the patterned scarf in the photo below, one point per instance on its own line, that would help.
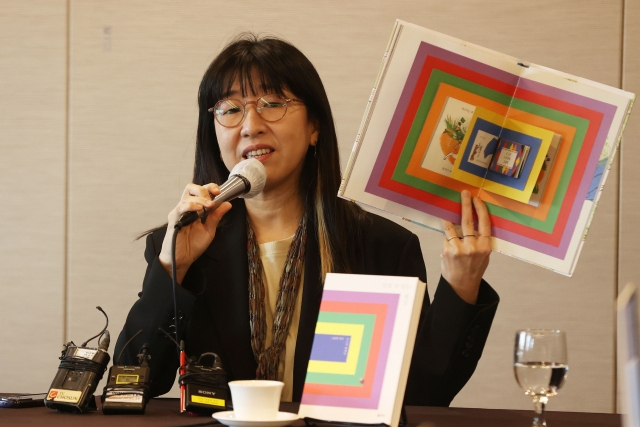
(269, 359)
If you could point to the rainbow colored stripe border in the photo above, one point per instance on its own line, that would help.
(390, 180)
(337, 384)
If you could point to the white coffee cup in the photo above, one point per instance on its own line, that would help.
(256, 400)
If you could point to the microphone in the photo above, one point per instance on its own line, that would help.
(246, 179)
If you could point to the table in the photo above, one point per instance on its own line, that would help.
(164, 412)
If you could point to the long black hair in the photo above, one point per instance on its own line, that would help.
(278, 65)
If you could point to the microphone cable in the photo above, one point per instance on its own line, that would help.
(247, 179)
(174, 282)
(99, 334)
(75, 363)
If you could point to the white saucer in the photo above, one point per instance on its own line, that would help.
(228, 418)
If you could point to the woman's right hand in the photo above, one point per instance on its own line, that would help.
(196, 237)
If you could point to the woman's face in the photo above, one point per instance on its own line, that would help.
(281, 146)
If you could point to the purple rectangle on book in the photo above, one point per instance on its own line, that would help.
(330, 348)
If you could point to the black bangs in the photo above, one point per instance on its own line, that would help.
(254, 75)
(255, 64)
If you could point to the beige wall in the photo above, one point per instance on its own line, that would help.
(92, 162)
(33, 144)
(629, 192)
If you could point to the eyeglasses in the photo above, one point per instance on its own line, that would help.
(231, 112)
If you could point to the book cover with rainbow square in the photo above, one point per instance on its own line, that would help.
(362, 348)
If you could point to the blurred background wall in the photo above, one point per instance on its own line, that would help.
(97, 129)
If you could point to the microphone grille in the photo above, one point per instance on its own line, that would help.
(254, 172)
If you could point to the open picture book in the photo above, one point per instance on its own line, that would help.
(533, 143)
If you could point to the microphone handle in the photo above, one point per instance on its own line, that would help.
(235, 186)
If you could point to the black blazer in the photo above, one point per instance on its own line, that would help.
(213, 304)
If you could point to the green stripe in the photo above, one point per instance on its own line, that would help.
(437, 77)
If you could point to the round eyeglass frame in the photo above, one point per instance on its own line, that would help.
(258, 109)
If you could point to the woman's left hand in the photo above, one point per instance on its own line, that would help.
(465, 258)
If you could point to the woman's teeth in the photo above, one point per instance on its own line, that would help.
(258, 153)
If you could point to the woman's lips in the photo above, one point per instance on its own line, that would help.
(258, 153)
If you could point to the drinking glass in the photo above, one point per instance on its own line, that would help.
(540, 366)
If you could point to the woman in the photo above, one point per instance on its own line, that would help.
(263, 99)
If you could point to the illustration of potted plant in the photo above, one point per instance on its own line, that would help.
(452, 137)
